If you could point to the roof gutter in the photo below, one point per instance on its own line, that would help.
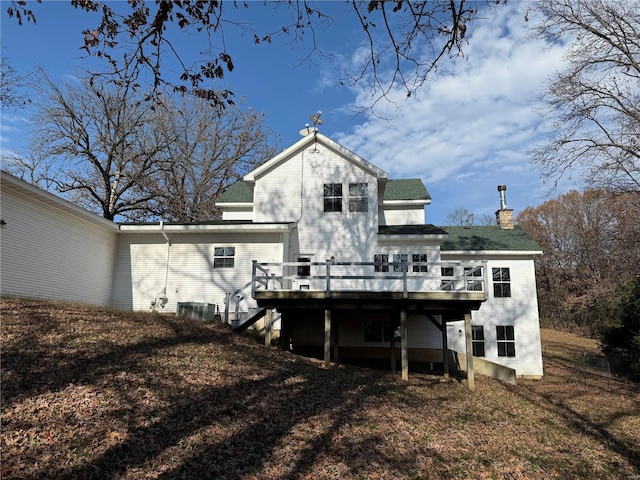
(492, 252)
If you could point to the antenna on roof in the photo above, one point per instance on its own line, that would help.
(316, 120)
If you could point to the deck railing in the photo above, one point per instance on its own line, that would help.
(370, 276)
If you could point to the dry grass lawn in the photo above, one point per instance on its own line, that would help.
(100, 393)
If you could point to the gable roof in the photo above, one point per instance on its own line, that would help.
(400, 191)
(239, 192)
(304, 143)
(406, 189)
(488, 238)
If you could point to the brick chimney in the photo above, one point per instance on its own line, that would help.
(504, 216)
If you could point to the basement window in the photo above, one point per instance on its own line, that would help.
(477, 340)
(224, 257)
(378, 331)
(332, 197)
(506, 341)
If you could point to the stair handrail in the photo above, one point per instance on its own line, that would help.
(261, 280)
(228, 296)
(255, 280)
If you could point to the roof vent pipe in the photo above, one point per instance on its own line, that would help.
(503, 197)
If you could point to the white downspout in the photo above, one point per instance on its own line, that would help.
(163, 294)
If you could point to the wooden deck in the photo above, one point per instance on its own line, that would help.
(392, 288)
(432, 302)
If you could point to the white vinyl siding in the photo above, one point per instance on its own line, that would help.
(520, 311)
(277, 196)
(51, 253)
(402, 215)
(230, 213)
(293, 191)
(141, 264)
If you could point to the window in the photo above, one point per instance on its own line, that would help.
(382, 262)
(422, 259)
(223, 257)
(304, 270)
(473, 285)
(506, 341)
(358, 197)
(399, 258)
(501, 282)
(446, 284)
(377, 331)
(332, 197)
(477, 340)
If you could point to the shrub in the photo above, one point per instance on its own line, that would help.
(621, 335)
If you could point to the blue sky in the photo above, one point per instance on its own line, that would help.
(463, 133)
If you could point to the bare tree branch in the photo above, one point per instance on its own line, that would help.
(595, 102)
(406, 39)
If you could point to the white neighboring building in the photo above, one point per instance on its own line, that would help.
(53, 249)
(353, 270)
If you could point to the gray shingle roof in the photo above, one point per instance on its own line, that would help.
(410, 230)
(488, 238)
(406, 189)
(239, 192)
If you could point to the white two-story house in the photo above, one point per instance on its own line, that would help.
(338, 258)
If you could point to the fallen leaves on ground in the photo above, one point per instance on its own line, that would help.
(99, 393)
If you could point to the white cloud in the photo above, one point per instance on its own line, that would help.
(470, 129)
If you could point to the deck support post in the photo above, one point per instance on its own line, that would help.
(268, 327)
(403, 341)
(469, 350)
(393, 351)
(395, 323)
(334, 331)
(445, 349)
(327, 337)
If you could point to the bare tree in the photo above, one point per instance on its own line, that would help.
(463, 217)
(460, 217)
(595, 101)
(591, 246)
(11, 83)
(406, 40)
(211, 150)
(114, 153)
(95, 141)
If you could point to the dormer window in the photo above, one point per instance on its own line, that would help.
(332, 197)
(358, 197)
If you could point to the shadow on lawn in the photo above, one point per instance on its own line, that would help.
(581, 423)
(260, 416)
(34, 366)
(232, 430)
